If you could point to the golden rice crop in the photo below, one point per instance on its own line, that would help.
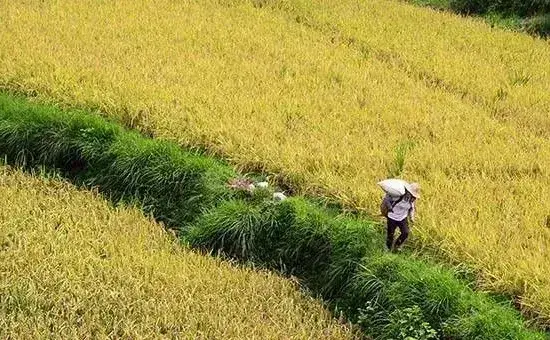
(507, 73)
(74, 267)
(327, 103)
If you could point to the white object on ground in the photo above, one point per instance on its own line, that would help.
(262, 185)
(279, 196)
(393, 186)
(251, 187)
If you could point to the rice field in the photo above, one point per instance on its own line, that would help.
(505, 73)
(334, 96)
(74, 267)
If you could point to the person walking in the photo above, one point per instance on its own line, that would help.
(399, 210)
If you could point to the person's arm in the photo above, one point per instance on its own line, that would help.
(387, 203)
(412, 212)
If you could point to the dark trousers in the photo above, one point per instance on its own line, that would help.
(403, 228)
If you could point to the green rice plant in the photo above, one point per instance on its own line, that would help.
(397, 168)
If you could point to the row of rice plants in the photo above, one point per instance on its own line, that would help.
(506, 73)
(75, 267)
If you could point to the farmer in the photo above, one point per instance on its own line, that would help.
(399, 210)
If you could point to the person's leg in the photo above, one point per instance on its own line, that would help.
(404, 229)
(390, 233)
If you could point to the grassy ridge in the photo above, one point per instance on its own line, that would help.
(334, 95)
(75, 267)
(161, 176)
(341, 258)
(336, 256)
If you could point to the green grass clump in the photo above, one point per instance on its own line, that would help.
(168, 182)
(437, 4)
(511, 7)
(532, 17)
(538, 24)
(391, 283)
(293, 236)
(173, 184)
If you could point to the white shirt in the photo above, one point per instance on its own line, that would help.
(402, 210)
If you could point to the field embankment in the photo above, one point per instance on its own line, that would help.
(74, 267)
(336, 256)
(335, 96)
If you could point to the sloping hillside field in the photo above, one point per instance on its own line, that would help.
(334, 95)
(73, 267)
(335, 256)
